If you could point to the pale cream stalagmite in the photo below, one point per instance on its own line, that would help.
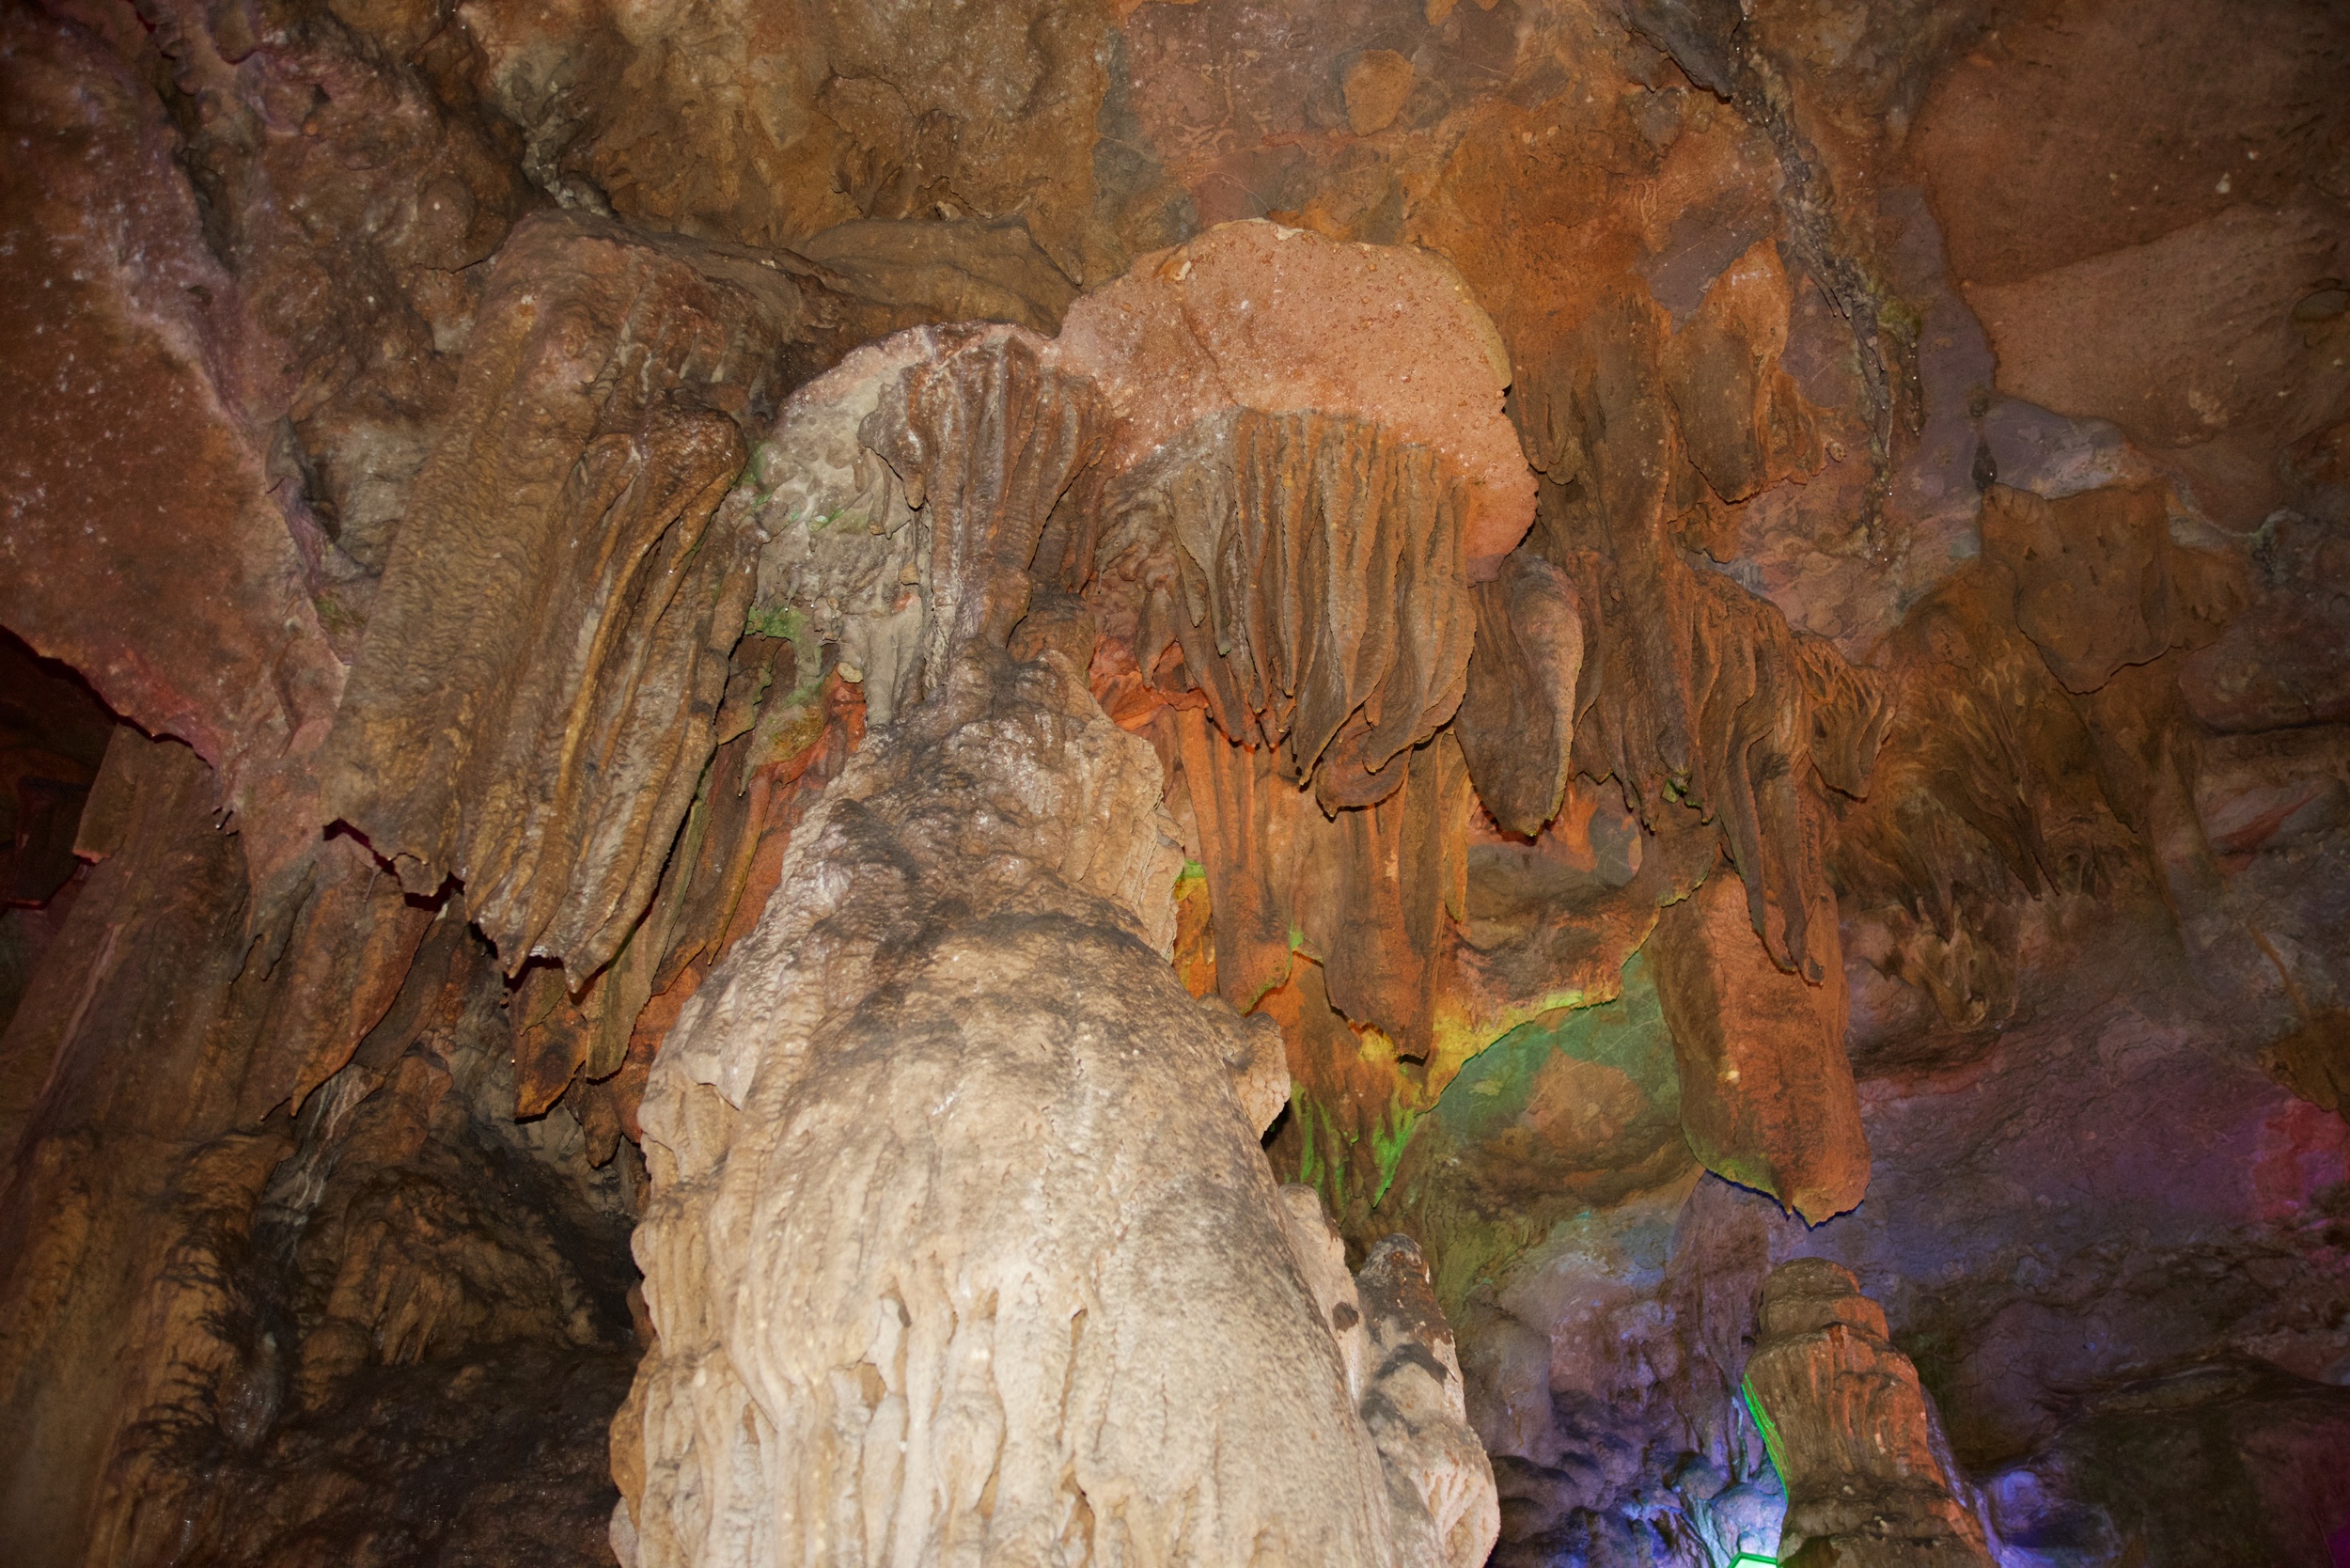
(962, 1247)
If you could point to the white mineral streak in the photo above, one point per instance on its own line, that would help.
(962, 1249)
(842, 546)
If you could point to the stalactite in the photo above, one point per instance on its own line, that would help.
(987, 438)
(1233, 791)
(538, 684)
(1525, 681)
(1702, 693)
(1324, 601)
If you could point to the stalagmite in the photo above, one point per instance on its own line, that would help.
(1867, 1474)
(921, 1294)
(1219, 761)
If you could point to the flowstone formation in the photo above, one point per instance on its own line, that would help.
(921, 1296)
(1535, 781)
(967, 953)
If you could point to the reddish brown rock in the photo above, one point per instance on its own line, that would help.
(353, 195)
(1231, 792)
(1703, 682)
(338, 963)
(1327, 558)
(1869, 1478)
(1586, 334)
(1741, 418)
(764, 125)
(2081, 128)
(2140, 264)
(1704, 692)
(54, 733)
(2285, 661)
(139, 541)
(1401, 882)
(1552, 922)
(1767, 1093)
(145, 957)
(311, 1304)
(1261, 317)
(2186, 343)
(1252, 105)
(1378, 84)
(1987, 794)
(945, 270)
(1516, 722)
(2097, 588)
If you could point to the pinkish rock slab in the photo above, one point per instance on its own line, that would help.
(137, 539)
(1257, 315)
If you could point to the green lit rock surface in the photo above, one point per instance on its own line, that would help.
(1577, 1109)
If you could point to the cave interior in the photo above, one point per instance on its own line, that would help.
(998, 783)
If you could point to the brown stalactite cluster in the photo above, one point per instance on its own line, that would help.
(1294, 536)
(1266, 782)
(538, 681)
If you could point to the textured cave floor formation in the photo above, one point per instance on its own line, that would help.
(1740, 615)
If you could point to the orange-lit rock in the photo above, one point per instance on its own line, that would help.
(1867, 1471)
(1766, 1093)
(1517, 711)
(1258, 317)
